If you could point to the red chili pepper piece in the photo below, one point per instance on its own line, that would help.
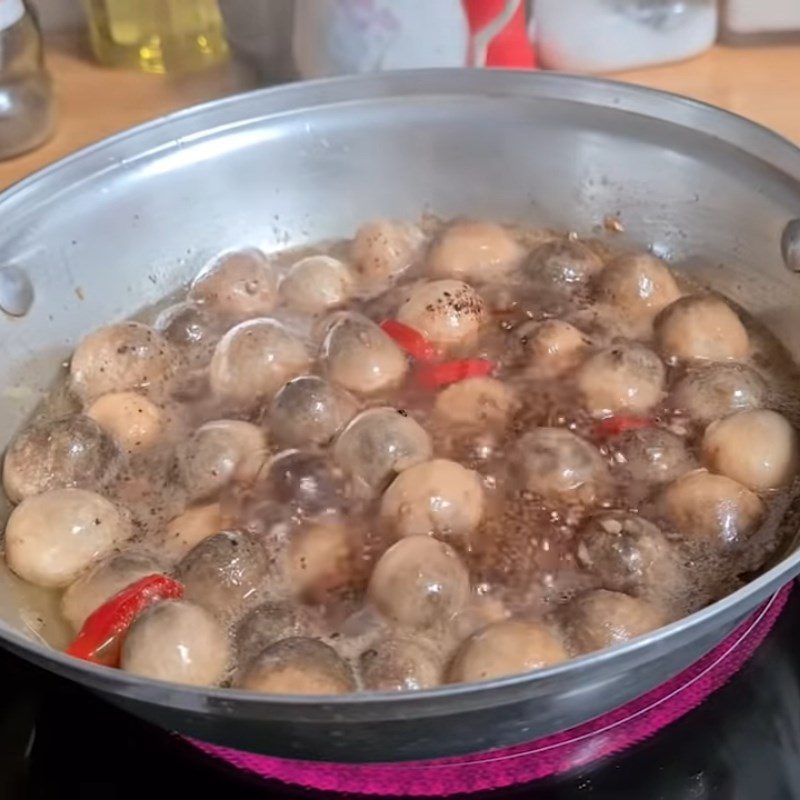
(411, 340)
(432, 376)
(100, 638)
(613, 426)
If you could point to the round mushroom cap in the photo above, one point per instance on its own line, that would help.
(437, 497)
(563, 264)
(383, 249)
(478, 252)
(654, 455)
(602, 618)
(71, 452)
(188, 529)
(317, 283)
(217, 453)
(476, 403)
(223, 572)
(628, 554)
(716, 390)
(396, 664)
(379, 443)
(701, 328)
(310, 411)
(505, 648)
(177, 641)
(307, 481)
(551, 347)
(322, 560)
(253, 360)
(54, 536)
(638, 286)
(133, 421)
(238, 285)
(418, 582)
(191, 329)
(558, 465)
(298, 666)
(448, 313)
(102, 581)
(362, 358)
(122, 357)
(758, 448)
(272, 621)
(625, 377)
(711, 508)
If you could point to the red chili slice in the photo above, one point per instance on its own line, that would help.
(100, 638)
(613, 426)
(411, 340)
(432, 376)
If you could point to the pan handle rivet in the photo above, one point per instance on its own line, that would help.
(16, 291)
(790, 245)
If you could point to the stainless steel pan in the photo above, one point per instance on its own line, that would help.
(119, 225)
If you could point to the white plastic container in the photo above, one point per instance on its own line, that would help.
(610, 35)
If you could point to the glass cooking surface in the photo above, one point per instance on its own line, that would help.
(59, 741)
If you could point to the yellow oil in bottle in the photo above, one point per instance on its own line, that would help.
(157, 35)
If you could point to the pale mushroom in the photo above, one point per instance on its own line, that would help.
(602, 618)
(711, 508)
(478, 252)
(380, 443)
(758, 448)
(476, 403)
(559, 465)
(253, 360)
(217, 453)
(122, 357)
(298, 666)
(133, 421)
(240, 285)
(383, 249)
(316, 284)
(701, 328)
(505, 648)
(448, 313)
(52, 537)
(626, 377)
(437, 497)
(360, 357)
(418, 582)
(637, 286)
(69, 452)
(310, 411)
(177, 641)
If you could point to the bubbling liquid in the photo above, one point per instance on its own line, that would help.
(547, 411)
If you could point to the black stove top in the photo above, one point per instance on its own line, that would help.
(743, 743)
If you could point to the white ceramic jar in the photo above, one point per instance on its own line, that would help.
(337, 37)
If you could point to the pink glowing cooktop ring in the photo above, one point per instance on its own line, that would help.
(497, 769)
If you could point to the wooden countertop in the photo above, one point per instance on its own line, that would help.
(93, 102)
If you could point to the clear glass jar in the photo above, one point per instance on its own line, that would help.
(26, 94)
(610, 35)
